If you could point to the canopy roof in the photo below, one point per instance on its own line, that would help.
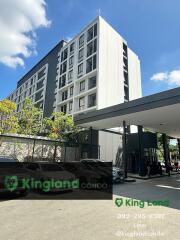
(159, 112)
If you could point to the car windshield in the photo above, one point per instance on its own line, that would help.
(51, 167)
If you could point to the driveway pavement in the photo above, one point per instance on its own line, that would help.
(96, 220)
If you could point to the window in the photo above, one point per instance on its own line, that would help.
(80, 69)
(21, 90)
(91, 48)
(41, 73)
(82, 85)
(25, 94)
(91, 64)
(81, 103)
(63, 68)
(70, 106)
(63, 109)
(70, 76)
(126, 78)
(125, 49)
(92, 82)
(32, 81)
(38, 96)
(125, 63)
(81, 41)
(92, 100)
(64, 95)
(71, 90)
(40, 84)
(62, 81)
(71, 61)
(126, 93)
(92, 32)
(72, 48)
(64, 55)
(80, 55)
(95, 30)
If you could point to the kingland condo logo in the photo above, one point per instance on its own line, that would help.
(130, 202)
(12, 183)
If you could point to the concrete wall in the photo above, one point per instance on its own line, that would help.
(109, 143)
(110, 75)
(134, 72)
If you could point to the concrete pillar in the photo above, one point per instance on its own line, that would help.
(125, 148)
(166, 149)
(141, 151)
(179, 147)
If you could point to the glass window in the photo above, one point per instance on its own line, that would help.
(80, 69)
(90, 34)
(41, 73)
(92, 100)
(81, 41)
(91, 64)
(64, 95)
(32, 81)
(64, 55)
(72, 48)
(82, 85)
(71, 61)
(70, 76)
(71, 90)
(63, 68)
(92, 82)
(70, 105)
(62, 81)
(95, 30)
(80, 55)
(82, 102)
(63, 109)
(91, 48)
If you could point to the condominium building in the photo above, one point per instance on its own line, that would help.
(94, 70)
(39, 83)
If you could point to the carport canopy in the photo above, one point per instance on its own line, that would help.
(159, 112)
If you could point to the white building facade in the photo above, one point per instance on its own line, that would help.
(96, 69)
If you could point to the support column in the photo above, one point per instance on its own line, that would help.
(125, 148)
(141, 151)
(166, 149)
(91, 141)
(179, 147)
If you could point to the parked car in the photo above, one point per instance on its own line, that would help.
(118, 175)
(82, 172)
(44, 171)
(11, 175)
(103, 168)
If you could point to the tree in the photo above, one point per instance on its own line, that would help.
(8, 118)
(30, 118)
(58, 125)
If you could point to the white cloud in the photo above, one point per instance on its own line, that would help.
(19, 20)
(171, 78)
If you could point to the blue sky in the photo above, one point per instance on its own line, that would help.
(151, 27)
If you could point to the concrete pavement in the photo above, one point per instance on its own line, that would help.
(95, 220)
